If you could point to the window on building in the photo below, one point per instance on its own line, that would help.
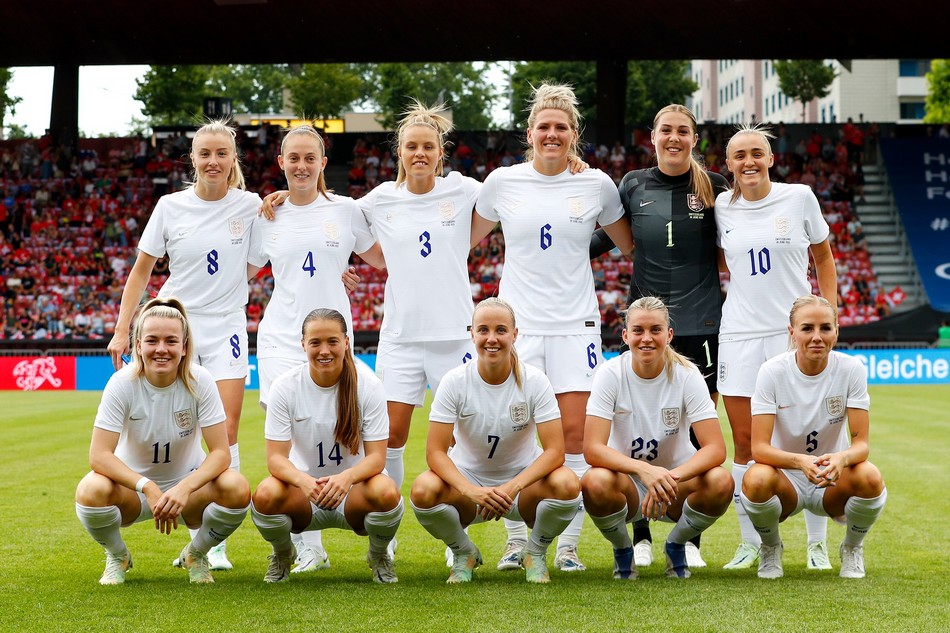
(914, 67)
(912, 110)
(831, 113)
(742, 86)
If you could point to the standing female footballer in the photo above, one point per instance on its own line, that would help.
(497, 410)
(671, 208)
(548, 216)
(641, 409)
(810, 426)
(308, 245)
(766, 231)
(326, 430)
(206, 232)
(146, 455)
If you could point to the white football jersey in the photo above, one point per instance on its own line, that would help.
(650, 418)
(309, 249)
(548, 222)
(495, 425)
(766, 247)
(207, 245)
(159, 427)
(304, 413)
(811, 412)
(426, 239)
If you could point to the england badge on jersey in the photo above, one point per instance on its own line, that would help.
(835, 406)
(183, 419)
(447, 209)
(236, 226)
(694, 203)
(671, 417)
(519, 413)
(331, 230)
(783, 226)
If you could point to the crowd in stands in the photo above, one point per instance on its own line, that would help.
(69, 223)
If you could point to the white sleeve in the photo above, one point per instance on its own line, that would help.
(278, 418)
(447, 403)
(210, 407)
(367, 204)
(602, 402)
(697, 403)
(485, 205)
(114, 406)
(763, 400)
(255, 252)
(858, 396)
(816, 227)
(152, 241)
(375, 419)
(364, 237)
(544, 403)
(611, 209)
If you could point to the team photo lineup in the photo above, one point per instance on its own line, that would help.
(530, 425)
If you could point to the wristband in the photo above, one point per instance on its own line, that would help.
(140, 484)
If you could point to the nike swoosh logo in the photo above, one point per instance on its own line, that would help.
(644, 203)
(727, 231)
(785, 406)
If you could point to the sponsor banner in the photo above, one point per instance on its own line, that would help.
(90, 373)
(919, 174)
(38, 373)
(904, 366)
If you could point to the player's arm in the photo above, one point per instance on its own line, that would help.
(103, 460)
(131, 295)
(619, 233)
(712, 451)
(826, 271)
(600, 243)
(374, 256)
(763, 452)
(481, 227)
(598, 454)
(551, 437)
(280, 467)
(270, 203)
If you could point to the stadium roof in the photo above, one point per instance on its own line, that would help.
(55, 32)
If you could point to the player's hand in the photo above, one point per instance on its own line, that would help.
(333, 490)
(351, 280)
(576, 165)
(271, 201)
(167, 507)
(652, 508)
(813, 470)
(491, 503)
(660, 482)
(118, 347)
(832, 465)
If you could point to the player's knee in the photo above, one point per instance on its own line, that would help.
(564, 484)
(383, 493)
(868, 480)
(597, 484)
(233, 489)
(425, 490)
(94, 490)
(720, 484)
(268, 495)
(758, 484)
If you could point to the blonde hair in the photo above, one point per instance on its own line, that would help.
(429, 116)
(670, 355)
(311, 132)
(763, 131)
(348, 429)
(811, 300)
(495, 302)
(698, 177)
(168, 308)
(549, 96)
(220, 126)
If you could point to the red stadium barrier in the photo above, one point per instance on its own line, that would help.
(43, 373)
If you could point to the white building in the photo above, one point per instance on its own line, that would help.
(881, 90)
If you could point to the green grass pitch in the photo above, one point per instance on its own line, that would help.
(50, 566)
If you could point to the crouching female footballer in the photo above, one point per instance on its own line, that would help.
(808, 404)
(326, 430)
(497, 409)
(146, 455)
(642, 406)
